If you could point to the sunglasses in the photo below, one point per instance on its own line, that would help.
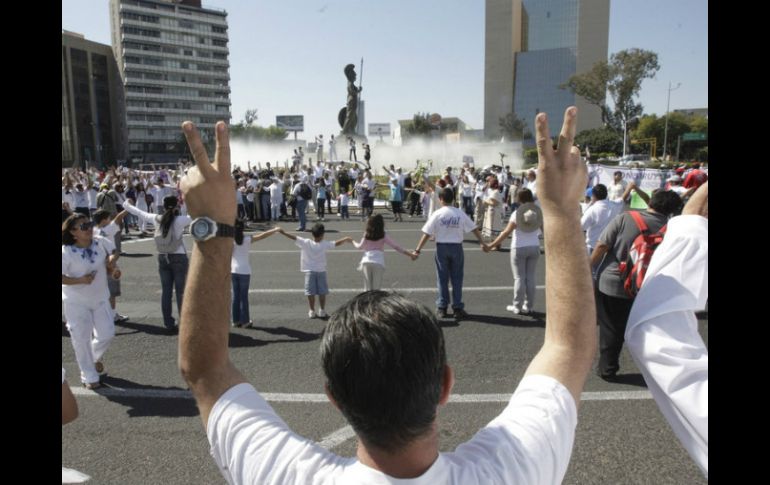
(85, 226)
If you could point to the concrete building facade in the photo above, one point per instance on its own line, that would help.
(93, 112)
(533, 46)
(173, 60)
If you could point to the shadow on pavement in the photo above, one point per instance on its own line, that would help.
(140, 327)
(630, 380)
(241, 340)
(141, 406)
(534, 319)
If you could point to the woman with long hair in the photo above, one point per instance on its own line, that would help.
(86, 261)
(240, 270)
(373, 244)
(172, 257)
(526, 223)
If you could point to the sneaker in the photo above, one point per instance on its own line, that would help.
(299, 229)
(120, 318)
(237, 324)
(525, 310)
(441, 313)
(322, 313)
(459, 314)
(513, 308)
(92, 385)
(311, 314)
(248, 324)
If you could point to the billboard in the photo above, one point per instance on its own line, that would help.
(382, 129)
(290, 122)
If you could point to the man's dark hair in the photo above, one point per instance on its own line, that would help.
(317, 230)
(696, 165)
(447, 194)
(384, 359)
(666, 202)
(599, 191)
(617, 172)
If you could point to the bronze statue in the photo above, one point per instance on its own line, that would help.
(348, 116)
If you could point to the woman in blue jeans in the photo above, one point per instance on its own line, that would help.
(172, 257)
(240, 270)
(526, 223)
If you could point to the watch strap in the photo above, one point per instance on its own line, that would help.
(224, 230)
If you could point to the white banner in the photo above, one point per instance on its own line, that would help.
(648, 179)
(381, 129)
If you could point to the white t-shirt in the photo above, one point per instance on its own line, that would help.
(449, 225)
(344, 199)
(180, 222)
(77, 262)
(529, 442)
(313, 256)
(276, 192)
(92, 193)
(80, 197)
(107, 231)
(595, 219)
(239, 263)
(615, 191)
(521, 239)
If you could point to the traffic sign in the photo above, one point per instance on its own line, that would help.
(694, 137)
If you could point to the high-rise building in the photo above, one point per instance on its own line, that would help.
(173, 60)
(533, 46)
(93, 126)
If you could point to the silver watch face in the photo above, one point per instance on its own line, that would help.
(200, 229)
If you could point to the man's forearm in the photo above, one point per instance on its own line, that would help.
(204, 327)
(569, 289)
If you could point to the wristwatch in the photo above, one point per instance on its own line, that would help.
(205, 228)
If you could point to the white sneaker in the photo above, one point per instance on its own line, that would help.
(513, 308)
(525, 309)
(322, 313)
(311, 314)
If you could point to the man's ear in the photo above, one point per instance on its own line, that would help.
(447, 383)
(329, 395)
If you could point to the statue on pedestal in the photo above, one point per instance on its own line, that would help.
(348, 116)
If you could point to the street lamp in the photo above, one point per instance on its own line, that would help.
(668, 100)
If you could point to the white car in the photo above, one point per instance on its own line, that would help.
(638, 160)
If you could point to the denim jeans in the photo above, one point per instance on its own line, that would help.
(320, 207)
(173, 273)
(450, 260)
(301, 204)
(241, 297)
(265, 202)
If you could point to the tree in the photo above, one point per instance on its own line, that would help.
(250, 116)
(622, 78)
(420, 125)
(513, 128)
(678, 124)
(600, 140)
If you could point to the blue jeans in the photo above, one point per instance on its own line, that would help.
(301, 204)
(240, 297)
(450, 260)
(173, 273)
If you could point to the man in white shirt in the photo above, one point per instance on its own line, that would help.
(662, 333)
(596, 217)
(448, 226)
(617, 189)
(385, 361)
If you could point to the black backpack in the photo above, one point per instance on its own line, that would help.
(305, 192)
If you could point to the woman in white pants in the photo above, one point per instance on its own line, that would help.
(86, 260)
(373, 244)
(526, 223)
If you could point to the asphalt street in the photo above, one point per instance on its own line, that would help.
(144, 427)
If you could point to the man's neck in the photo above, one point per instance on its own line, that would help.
(410, 462)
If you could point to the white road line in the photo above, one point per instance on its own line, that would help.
(430, 289)
(337, 438)
(116, 392)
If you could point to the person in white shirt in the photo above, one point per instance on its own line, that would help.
(384, 361)
(616, 192)
(109, 227)
(332, 149)
(448, 226)
(173, 263)
(313, 265)
(662, 333)
(241, 272)
(526, 224)
(597, 215)
(319, 154)
(276, 198)
(86, 262)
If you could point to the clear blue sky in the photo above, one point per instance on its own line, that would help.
(287, 57)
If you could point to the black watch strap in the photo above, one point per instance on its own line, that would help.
(223, 230)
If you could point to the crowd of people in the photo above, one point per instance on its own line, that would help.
(383, 355)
